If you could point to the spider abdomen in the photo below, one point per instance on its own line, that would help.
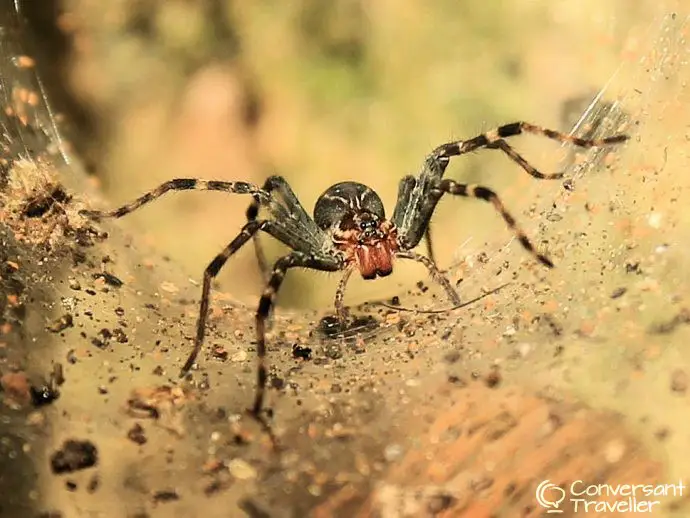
(343, 199)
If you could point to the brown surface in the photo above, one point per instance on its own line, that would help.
(485, 450)
(576, 372)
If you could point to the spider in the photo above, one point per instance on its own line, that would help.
(349, 230)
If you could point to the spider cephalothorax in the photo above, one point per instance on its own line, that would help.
(355, 218)
(349, 229)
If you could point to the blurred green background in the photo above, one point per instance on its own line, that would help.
(322, 92)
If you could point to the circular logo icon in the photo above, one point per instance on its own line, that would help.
(550, 496)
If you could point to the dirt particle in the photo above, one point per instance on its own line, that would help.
(216, 486)
(109, 279)
(169, 287)
(440, 502)
(494, 378)
(457, 380)
(120, 336)
(103, 339)
(618, 292)
(61, 323)
(359, 345)
(277, 383)
(333, 351)
(165, 495)
(71, 357)
(94, 484)
(44, 394)
(239, 356)
(393, 452)
(451, 357)
(241, 469)
(219, 352)
(24, 61)
(662, 434)
(74, 455)
(252, 509)
(679, 381)
(36, 418)
(299, 351)
(16, 386)
(136, 434)
(329, 326)
(633, 268)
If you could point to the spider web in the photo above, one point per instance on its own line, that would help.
(28, 123)
(31, 131)
(626, 103)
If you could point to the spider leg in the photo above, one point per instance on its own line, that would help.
(340, 311)
(273, 183)
(435, 273)
(178, 184)
(273, 228)
(483, 193)
(413, 212)
(210, 272)
(429, 246)
(494, 139)
(294, 259)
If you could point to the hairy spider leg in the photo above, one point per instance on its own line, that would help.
(292, 260)
(272, 183)
(494, 140)
(274, 228)
(434, 272)
(483, 193)
(178, 184)
(339, 301)
(249, 230)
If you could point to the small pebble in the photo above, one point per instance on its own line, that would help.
(392, 452)
(241, 469)
(169, 287)
(239, 356)
(136, 434)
